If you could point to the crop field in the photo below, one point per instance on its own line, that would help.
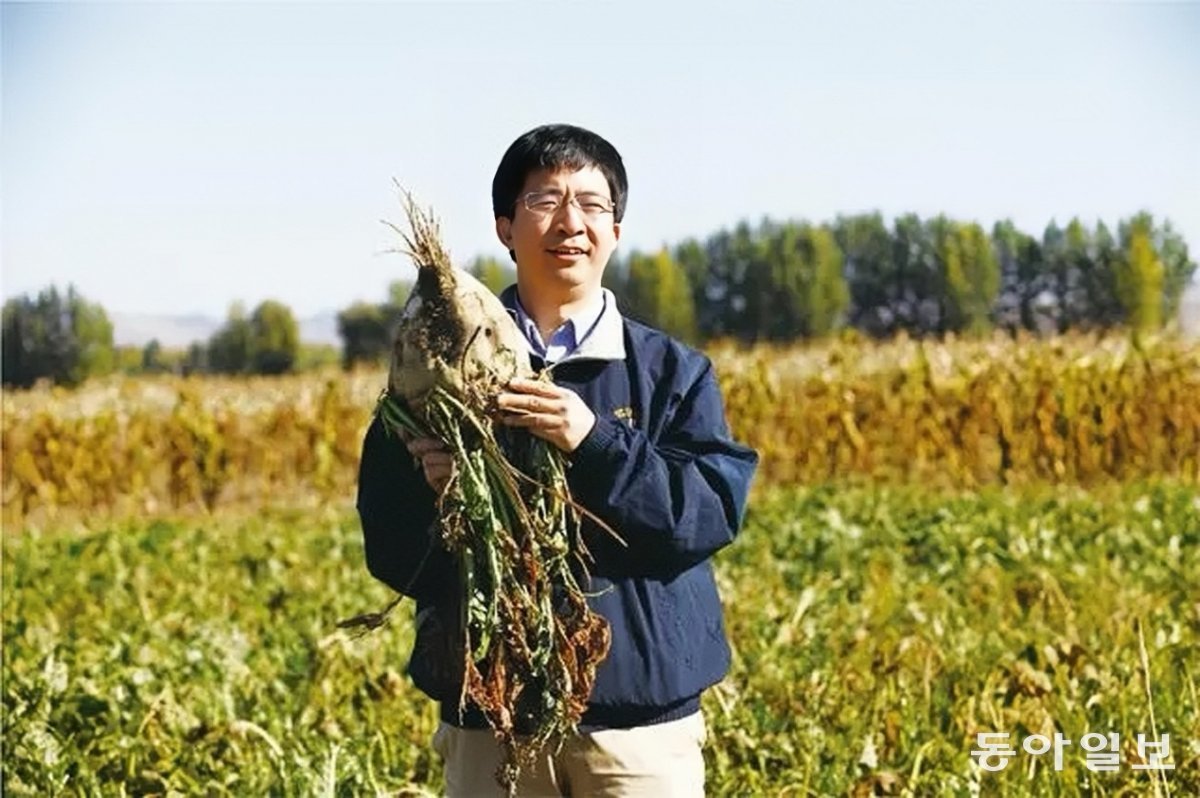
(876, 632)
(1076, 409)
(944, 540)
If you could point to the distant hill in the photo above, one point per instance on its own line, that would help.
(138, 329)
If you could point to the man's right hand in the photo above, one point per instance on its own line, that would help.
(436, 462)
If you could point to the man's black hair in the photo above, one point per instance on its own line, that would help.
(557, 147)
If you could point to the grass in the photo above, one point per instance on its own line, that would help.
(876, 631)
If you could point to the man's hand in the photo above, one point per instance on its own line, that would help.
(436, 462)
(550, 412)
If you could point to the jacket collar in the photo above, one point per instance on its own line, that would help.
(606, 340)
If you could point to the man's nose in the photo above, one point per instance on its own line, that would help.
(570, 218)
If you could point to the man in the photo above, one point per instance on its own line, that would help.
(641, 419)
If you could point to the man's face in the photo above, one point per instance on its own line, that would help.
(562, 231)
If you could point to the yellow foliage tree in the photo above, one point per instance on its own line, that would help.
(1139, 277)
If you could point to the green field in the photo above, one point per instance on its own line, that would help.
(875, 631)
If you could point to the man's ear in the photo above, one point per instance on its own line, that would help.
(504, 231)
(616, 231)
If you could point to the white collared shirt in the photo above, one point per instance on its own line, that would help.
(595, 332)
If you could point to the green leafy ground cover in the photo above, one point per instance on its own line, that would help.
(875, 633)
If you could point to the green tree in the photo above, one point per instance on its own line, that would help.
(693, 259)
(870, 272)
(1019, 257)
(230, 348)
(774, 282)
(92, 333)
(1050, 299)
(1178, 268)
(195, 360)
(1140, 276)
(1104, 308)
(366, 329)
(970, 274)
(1074, 270)
(1081, 264)
(809, 291)
(363, 328)
(746, 275)
(828, 294)
(274, 338)
(59, 337)
(757, 280)
(717, 314)
(783, 311)
(657, 292)
(152, 357)
(918, 291)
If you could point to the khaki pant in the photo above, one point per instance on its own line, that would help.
(659, 761)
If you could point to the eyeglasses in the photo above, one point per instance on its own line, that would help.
(547, 203)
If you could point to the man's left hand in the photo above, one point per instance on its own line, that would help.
(550, 412)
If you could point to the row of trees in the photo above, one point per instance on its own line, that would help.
(265, 342)
(55, 335)
(778, 281)
(781, 281)
(62, 337)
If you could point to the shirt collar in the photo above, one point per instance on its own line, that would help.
(595, 333)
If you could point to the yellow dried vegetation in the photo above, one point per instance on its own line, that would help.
(1076, 409)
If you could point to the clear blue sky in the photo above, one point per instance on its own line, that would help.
(173, 158)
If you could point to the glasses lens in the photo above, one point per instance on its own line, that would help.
(542, 201)
(548, 202)
(594, 204)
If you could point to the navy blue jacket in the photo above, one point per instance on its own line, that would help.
(660, 468)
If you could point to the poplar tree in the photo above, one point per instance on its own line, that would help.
(1139, 278)
(657, 292)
